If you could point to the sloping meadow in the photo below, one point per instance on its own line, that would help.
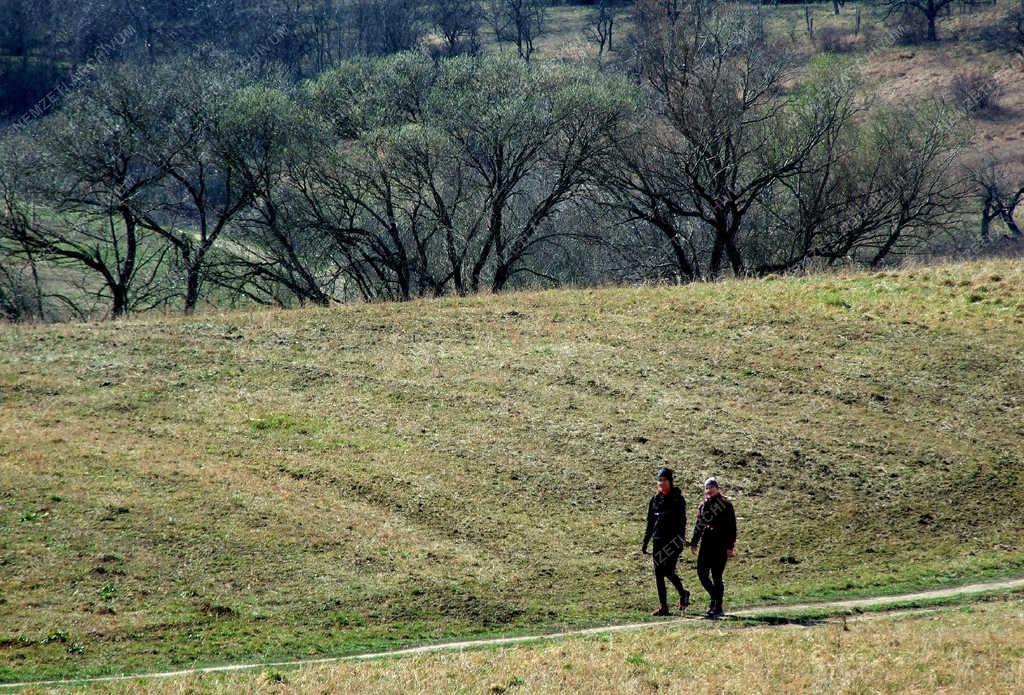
(320, 481)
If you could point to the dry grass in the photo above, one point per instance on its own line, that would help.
(952, 651)
(901, 74)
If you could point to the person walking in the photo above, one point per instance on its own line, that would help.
(715, 531)
(666, 526)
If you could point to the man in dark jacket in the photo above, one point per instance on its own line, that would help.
(666, 525)
(715, 530)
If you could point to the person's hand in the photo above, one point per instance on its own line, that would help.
(693, 548)
(729, 553)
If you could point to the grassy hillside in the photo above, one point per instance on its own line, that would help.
(970, 649)
(195, 490)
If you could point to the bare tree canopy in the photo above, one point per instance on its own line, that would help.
(704, 149)
(737, 171)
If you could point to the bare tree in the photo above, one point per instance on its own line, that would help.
(383, 27)
(277, 249)
(452, 176)
(715, 149)
(67, 199)
(602, 23)
(199, 193)
(177, 181)
(880, 183)
(1000, 186)
(518, 21)
(929, 10)
(458, 22)
(736, 171)
(534, 140)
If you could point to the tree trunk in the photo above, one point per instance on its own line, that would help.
(683, 265)
(192, 288)
(502, 274)
(120, 305)
(404, 281)
(735, 257)
(682, 262)
(457, 271)
(894, 236)
(494, 231)
(37, 285)
(127, 269)
(1010, 222)
(986, 222)
(715, 265)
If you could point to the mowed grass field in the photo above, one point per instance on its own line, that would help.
(977, 648)
(277, 484)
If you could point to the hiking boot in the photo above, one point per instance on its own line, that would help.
(661, 612)
(684, 600)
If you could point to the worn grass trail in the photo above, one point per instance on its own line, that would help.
(820, 608)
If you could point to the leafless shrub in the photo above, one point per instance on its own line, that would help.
(1015, 21)
(836, 40)
(16, 293)
(602, 23)
(999, 182)
(976, 92)
(1007, 32)
(909, 30)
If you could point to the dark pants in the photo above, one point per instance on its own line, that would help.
(666, 555)
(710, 566)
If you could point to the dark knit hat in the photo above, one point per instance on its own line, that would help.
(665, 473)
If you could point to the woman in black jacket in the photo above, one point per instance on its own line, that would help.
(715, 531)
(666, 526)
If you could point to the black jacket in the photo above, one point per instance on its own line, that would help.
(716, 523)
(666, 518)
